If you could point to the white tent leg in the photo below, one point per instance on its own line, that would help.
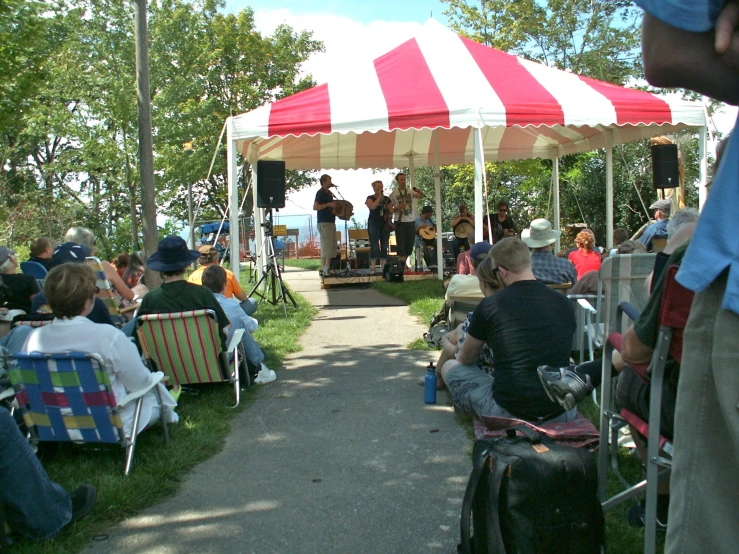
(233, 193)
(257, 222)
(555, 198)
(411, 184)
(479, 169)
(437, 197)
(609, 191)
(703, 154)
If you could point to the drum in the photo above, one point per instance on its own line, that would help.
(343, 210)
(464, 230)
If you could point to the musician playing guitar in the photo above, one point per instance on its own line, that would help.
(463, 227)
(425, 236)
(404, 220)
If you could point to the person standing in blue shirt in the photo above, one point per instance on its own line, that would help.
(658, 229)
(324, 204)
(694, 44)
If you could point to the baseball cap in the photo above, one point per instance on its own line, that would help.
(479, 249)
(5, 253)
(427, 210)
(207, 251)
(69, 252)
(662, 205)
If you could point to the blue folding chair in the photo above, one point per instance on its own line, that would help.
(35, 269)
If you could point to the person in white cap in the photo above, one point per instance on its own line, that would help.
(547, 268)
(657, 230)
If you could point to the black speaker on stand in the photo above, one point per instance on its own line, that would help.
(665, 171)
(270, 184)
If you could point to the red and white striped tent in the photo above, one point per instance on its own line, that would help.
(439, 99)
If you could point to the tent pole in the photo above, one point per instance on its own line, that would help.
(412, 183)
(703, 172)
(257, 220)
(609, 191)
(555, 198)
(233, 193)
(479, 169)
(437, 197)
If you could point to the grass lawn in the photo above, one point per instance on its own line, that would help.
(157, 472)
(312, 264)
(424, 299)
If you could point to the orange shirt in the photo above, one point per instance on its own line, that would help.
(232, 285)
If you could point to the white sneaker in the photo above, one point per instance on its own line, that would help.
(265, 375)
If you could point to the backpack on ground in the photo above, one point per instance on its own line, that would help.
(439, 327)
(527, 495)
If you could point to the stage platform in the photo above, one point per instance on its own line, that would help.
(363, 277)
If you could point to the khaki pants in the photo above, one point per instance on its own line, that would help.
(704, 489)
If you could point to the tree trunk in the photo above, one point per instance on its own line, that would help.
(146, 149)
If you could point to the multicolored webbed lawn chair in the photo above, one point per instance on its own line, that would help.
(105, 292)
(186, 346)
(68, 398)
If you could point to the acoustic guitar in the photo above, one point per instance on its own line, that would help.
(427, 233)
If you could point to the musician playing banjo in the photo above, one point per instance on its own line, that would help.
(405, 231)
(463, 227)
(425, 236)
(324, 205)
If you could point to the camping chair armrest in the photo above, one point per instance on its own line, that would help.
(585, 305)
(629, 310)
(235, 340)
(131, 396)
(7, 393)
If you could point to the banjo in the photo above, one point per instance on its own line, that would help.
(464, 229)
(427, 233)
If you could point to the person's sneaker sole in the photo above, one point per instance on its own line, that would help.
(544, 378)
(264, 379)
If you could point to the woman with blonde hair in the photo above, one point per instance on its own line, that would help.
(585, 258)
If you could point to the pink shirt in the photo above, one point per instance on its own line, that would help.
(464, 264)
(585, 262)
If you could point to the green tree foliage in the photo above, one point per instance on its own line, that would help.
(69, 141)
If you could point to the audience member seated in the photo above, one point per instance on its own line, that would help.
(587, 285)
(84, 237)
(12, 339)
(619, 237)
(658, 229)
(176, 294)
(464, 262)
(71, 253)
(215, 279)
(467, 285)
(680, 229)
(70, 289)
(208, 256)
(134, 271)
(41, 250)
(120, 263)
(35, 507)
(525, 324)
(453, 341)
(547, 268)
(16, 290)
(585, 258)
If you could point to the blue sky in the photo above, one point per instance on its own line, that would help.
(386, 10)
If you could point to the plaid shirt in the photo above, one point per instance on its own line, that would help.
(551, 270)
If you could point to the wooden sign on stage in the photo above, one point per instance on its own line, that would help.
(279, 230)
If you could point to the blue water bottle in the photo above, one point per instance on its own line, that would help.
(429, 385)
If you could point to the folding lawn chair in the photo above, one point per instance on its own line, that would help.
(68, 398)
(106, 292)
(36, 270)
(674, 311)
(186, 346)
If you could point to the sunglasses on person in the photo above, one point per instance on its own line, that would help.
(502, 209)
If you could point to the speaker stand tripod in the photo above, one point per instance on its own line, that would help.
(271, 272)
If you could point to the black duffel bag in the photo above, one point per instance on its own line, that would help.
(527, 495)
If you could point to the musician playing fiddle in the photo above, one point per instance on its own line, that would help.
(324, 205)
(425, 235)
(466, 231)
(380, 218)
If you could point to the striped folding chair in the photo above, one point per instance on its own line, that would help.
(106, 292)
(68, 398)
(186, 346)
(623, 278)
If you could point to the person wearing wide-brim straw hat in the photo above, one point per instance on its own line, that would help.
(208, 256)
(176, 294)
(547, 268)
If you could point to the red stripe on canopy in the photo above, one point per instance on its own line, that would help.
(307, 150)
(526, 100)
(375, 149)
(632, 106)
(412, 96)
(308, 112)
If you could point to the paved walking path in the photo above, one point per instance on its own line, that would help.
(340, 454)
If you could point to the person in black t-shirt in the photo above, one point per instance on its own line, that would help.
(324, 204)
(16, 290)
(503, 225)
(524, 323)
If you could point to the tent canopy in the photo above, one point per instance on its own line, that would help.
(379, 113)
